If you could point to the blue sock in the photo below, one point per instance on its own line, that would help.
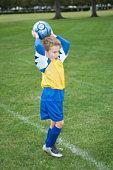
(48, 134)
(52, 136)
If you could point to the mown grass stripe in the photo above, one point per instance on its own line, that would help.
(73, 148)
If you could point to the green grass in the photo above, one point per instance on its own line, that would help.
(88, 105)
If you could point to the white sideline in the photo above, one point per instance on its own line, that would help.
(73, 148)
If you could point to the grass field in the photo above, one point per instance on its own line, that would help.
(87, 137)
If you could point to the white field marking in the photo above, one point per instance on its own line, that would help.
(23, 118)
(84, 154)
(73, 148)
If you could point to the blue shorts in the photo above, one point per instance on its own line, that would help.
(51, 110)
(51, 106)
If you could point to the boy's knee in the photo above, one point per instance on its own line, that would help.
(52, 123)
(60, 124)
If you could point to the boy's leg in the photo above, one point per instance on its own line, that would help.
(52, 136)
(52, 124)
(60, 124)
(55, 110)
(53, 133)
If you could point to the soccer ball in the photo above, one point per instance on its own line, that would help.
(42, 28)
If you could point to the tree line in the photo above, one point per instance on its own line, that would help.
(7, 4)
(56, 4)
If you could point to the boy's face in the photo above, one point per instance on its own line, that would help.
(53, 53)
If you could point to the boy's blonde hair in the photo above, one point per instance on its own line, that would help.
(50, 42)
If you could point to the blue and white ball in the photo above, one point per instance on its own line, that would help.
(42, 28)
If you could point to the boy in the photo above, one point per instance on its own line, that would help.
(49, 57)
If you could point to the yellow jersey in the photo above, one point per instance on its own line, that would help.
(54, 75)
(52, 71)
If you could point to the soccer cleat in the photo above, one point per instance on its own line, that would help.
(52, 151)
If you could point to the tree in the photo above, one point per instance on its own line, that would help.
(93, 3)
(57, 10)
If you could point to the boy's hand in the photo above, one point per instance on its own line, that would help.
(34, 34)
(52, 34)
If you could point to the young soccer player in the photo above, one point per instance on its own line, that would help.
(49, 57)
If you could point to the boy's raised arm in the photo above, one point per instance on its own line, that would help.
(64, 49)
(41, 60)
